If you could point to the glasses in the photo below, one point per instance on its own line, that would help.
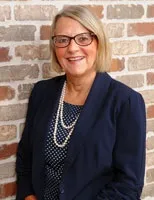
(82, 39)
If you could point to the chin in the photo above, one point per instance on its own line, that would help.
(76, 73)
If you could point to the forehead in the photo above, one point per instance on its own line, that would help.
(68, 26)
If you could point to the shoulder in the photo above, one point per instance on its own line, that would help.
(41, 85)
(122, 91)
(119, 94)
(125, 103)
(44, 88)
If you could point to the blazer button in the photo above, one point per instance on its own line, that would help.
(62, 190)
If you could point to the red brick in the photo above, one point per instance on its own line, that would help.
(32, 52)
(150, 11)
(117, 65)
(149, 159)
(150, 143)
(5, 13)
(150, 112)
(7, 170)
(24, 91)
(6, 92)
(149, 175)
(13, 112)
(150, 78)
(7, 150)
(150, 46)
(150, 125)
(148, 96)
(125, 11)
(17, 33)
(8, 189)
(115, 30)
(4, 54)
(126, 47)
(8, 132)
(148, 190)
(141, 29)
(34, 12)
(96, 9)
(133, 81)
(18, 72)
(45, 32)
(140, 63)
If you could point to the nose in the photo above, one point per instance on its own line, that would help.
(73, 46)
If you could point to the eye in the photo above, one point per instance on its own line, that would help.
(83, 38)
(61, 40)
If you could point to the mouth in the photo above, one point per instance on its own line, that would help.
(77, 58)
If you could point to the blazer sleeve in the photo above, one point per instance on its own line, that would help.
(128, 153)
(24, 151)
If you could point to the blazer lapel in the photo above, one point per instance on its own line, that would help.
(88, 116)
(48, 106)
(46, 110)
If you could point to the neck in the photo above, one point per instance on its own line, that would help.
(77, 89)
(79, 84)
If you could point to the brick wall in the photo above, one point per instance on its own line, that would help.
(24, 59)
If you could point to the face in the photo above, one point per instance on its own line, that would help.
(74, 59)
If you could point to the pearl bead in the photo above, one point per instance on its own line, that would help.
(60, 115)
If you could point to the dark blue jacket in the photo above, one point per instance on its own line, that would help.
(106, 154)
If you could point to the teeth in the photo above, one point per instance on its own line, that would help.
(75, 58)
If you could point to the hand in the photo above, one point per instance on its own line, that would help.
(30, 197)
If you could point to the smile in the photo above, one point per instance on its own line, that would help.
(75, 58)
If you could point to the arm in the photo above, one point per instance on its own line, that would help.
(24, 154)
(128, 153)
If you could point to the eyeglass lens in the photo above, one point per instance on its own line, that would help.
(82, 39)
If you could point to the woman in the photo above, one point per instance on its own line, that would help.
(84, 137)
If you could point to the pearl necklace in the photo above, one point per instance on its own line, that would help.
(60, 114)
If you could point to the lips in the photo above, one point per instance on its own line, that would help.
(77, 58)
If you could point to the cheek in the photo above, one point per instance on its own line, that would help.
(59, 54)
(91, 51)
(94, 53)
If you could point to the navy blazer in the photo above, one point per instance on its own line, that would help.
(106, 153)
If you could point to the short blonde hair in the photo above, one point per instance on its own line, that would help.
(93, 24)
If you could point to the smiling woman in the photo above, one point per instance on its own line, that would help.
(75, 59)
(84, 137)
(89, 23)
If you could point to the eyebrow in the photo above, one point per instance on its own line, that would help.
(68, 35)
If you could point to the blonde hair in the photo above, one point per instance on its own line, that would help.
(93, 24)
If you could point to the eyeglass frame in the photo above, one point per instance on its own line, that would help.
(70, 38)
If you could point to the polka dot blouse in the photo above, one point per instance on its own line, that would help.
(55, 156)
